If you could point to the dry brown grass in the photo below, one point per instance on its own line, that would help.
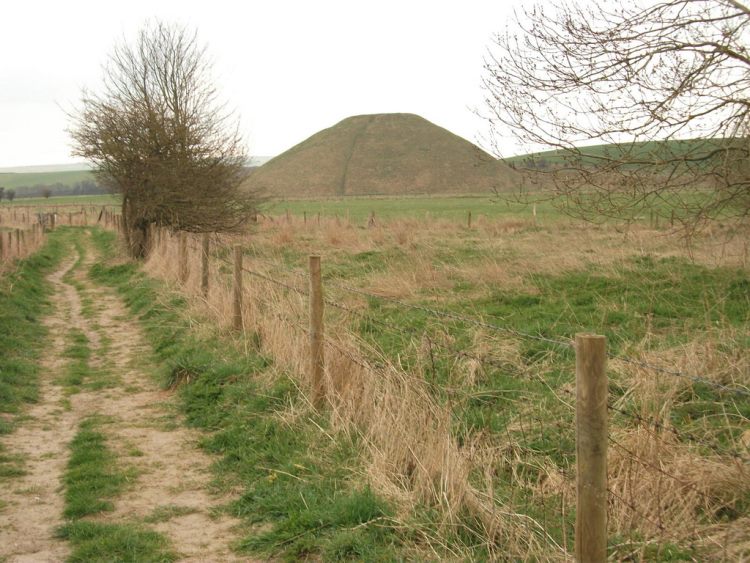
(681, 482)
(413, 456)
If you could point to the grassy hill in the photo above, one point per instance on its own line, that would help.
(382, 154)
(639, 154)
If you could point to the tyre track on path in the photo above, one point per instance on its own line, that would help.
(34, 500)
(142, 426)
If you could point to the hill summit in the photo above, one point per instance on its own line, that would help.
(382, 154)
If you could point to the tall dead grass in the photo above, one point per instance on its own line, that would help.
(684, 485)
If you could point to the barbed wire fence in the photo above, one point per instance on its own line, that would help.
(527, 421)
(21, 234)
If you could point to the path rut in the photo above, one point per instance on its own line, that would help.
(142, 427)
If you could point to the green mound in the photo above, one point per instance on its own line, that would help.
(382, 154)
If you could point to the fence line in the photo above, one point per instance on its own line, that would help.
(557, 342)
(563, 343)
(389, 326)
(683, 436)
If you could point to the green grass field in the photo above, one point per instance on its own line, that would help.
(69, 200)
(418, 207)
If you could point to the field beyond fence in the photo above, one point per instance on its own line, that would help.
(475, 416)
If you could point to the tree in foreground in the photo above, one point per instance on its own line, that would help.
(566, 76)
(157, 134)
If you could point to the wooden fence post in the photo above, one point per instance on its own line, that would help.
(182, 265)
(18, 242)
(468, 220)
(316, 332)
(204, 264)
(237, 301)
(591, 448)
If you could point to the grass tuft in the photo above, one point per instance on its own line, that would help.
(126, 543)
(91, 478)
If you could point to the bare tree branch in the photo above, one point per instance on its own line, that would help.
(566, 76)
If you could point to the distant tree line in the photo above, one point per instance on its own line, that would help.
(82, 187)
(10, 195)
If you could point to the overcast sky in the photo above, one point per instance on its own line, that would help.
(289, 68)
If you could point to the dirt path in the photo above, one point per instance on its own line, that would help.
(34, 500)
(143, 428)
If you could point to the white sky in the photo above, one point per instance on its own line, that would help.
(290, 68)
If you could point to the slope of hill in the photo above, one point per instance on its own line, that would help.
(383, 154)
(638, 154)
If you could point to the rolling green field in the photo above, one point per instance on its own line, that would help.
(644, 153)
(357, 210)
(418, 207)
(12, 180)
(56, 201)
